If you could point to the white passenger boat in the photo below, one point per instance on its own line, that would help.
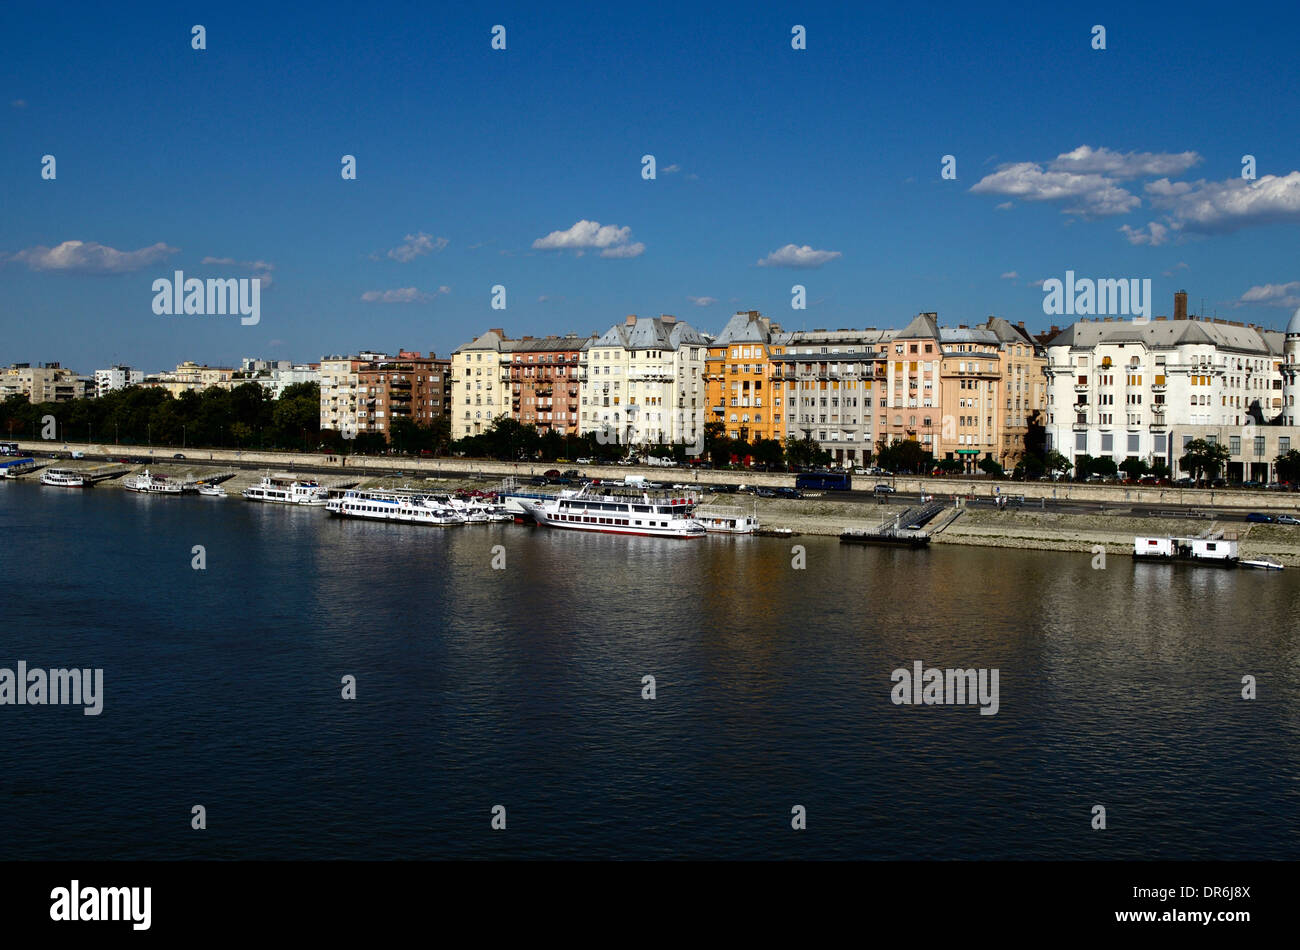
(477, 510)
(211, 491)
(65, 478)
(284, 490)
(151, 484)
(405, 507)
(614, 510)
(720, 519)
(12, 468)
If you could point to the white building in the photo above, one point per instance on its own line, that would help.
(1116, 388)
(642, 382)
(116, 377)
(339, 386)
(480, 383)
(277, 375)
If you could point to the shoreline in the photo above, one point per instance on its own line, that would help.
(1025, 528)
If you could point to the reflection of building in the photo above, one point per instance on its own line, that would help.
(544, 382)
(480, 383)
(643, 382)
(1116, 388)
(741, 391)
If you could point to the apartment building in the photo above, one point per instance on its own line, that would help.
(276, 375)
(827, 383)
(405, 386)
(480, 383)
(741, 388)
(642, 382)
(340, 390)
(1116, 388)
(44, 382)
(116, 377)
(544, 383)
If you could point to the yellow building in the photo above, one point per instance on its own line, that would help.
(739, 378)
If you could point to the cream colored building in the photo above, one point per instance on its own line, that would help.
(480, 383)
(643, 382)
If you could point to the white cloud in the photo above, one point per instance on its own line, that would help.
(1010, 275)
(702, 301)
(1037, 283)
(417, 245)
(671, 169)
(401, 295)
(259, 269)
(1091, 194)
(590, 234)
(1153, 234)
(444, 289)
(623, 250)
(1124, 165)
(794, 256)
(88, 257)
(1218, 207)
(1005, 206)
(1285, 296)
(19, 103)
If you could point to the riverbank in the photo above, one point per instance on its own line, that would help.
(977, 525)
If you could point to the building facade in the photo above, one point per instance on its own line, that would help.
(44, 382)
(642, 382)
(544, 383)
(480, 383)
(1116, 388)
(741, 387)
(116, 377)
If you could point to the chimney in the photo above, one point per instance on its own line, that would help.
(631, 320)
(1180, 305)
(667, 318)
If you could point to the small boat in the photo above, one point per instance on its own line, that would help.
(211, 491)
(887, 537)
(151, 484)
(1262, 563)
(283, 490)
(721, 519)
(65, 478)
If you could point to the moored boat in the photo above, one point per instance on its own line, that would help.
(211, 491)
(148, 483)
(65, 478)
(615, 510)
(284, 490)
(1211, 548)
(1262, 563)
(408, 508)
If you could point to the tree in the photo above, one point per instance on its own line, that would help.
(991, 467)
(1133, 467)
(767, 452)
(1105, 466)
(1201, 456)
(1288, 466)
(1054, 462)
(904, 455)
(802, 453)
(1083, 467)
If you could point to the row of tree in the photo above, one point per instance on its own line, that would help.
(243, 417)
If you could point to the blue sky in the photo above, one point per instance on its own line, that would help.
(1123, 162)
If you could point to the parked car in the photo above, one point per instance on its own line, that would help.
(1287, 519)
(584, 461)
(1252, 484)
(539, 480)
(789, 493)
(570, 473)
(1259, 516)
(552, 473)
(883, 489)
(764, 493)
(78, 455)
(176, 456)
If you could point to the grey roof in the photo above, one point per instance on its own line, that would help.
(1294, 326)
(490, 340)
(1165, 334)
(969, 335)
(745, 327)
(923, 326)
(650, 333)
(569, 341)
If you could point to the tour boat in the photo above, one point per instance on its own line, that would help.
(153, 484)
(65, 478)
(12, 468)
(614, 510)
(477, 510)
(282, 490)
(409, 508)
